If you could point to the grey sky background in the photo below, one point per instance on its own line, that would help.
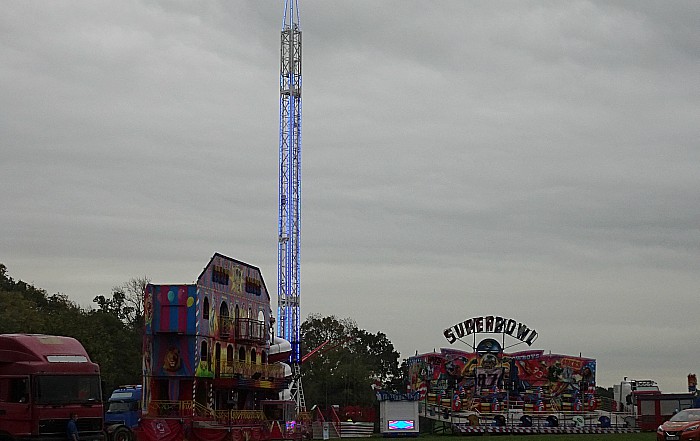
(534, 160)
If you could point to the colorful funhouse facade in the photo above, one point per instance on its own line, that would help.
(208, 370)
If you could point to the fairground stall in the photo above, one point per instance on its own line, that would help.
(489, 389)
(208, 368)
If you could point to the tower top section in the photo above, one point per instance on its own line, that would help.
(291, 15)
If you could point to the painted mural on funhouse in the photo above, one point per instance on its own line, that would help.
(230, 293)
(488, 380)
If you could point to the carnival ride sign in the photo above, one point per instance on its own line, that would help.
(491, 324)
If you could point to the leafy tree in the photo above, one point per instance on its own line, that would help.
(604, 393)
(119, 320)
(21, 291)
(19, 315)
(126, 302)
(115, 347)
(26, 309)
(347, 363)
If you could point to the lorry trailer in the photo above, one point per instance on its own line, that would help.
(43, 380)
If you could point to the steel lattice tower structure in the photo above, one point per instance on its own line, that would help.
(288, 313)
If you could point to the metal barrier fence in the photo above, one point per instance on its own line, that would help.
(519, 420)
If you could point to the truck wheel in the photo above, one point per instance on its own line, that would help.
(121, 434)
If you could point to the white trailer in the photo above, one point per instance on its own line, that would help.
(398, 418)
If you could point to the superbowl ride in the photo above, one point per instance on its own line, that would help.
(489, 390)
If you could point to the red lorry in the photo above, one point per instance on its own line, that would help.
(43, 380)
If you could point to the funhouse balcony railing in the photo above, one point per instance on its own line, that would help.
(250, 330)
(180, 409)
(248, 370)
(243, 329)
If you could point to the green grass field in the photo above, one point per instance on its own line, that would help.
(645, 436)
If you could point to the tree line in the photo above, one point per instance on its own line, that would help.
(344, 362)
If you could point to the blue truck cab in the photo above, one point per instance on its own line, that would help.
(123, 412)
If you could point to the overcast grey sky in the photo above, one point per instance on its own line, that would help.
(534, 160)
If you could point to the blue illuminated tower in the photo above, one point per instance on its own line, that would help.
(288, 320)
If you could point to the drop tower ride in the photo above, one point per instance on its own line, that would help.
(288, 276)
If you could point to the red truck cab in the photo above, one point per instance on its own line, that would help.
(43, 380)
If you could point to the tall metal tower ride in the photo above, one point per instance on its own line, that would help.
(288, 320)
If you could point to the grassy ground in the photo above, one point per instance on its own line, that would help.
(644, 436)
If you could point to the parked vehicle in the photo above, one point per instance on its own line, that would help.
(647, 407)
(683, 426)
(43, 380)
(123, 412)
(625, 392)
